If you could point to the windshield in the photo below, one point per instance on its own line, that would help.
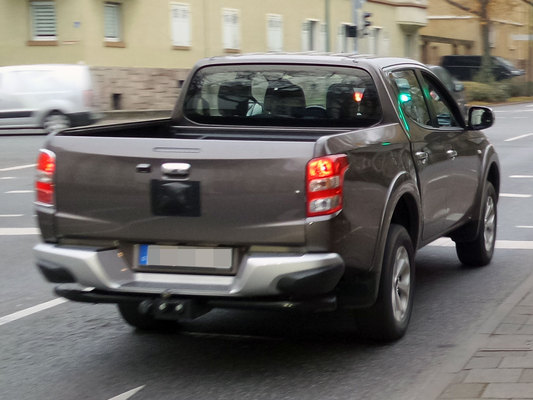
(283, 95)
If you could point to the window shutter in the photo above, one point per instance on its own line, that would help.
(181, 24)
(112, 22)
(231, 29)
(275, 32)
(306, 36)
(323, 38)
(43, 14)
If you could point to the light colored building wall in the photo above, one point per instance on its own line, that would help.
(134, 72)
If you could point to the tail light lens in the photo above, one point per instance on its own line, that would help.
(324, 182)
(44, 182)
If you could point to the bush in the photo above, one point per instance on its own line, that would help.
(516, 87)
(485, 92)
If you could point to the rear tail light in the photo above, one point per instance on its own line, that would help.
(44, 181)
(324, 183)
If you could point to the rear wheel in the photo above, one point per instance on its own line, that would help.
(55, 122)
(479, 252)
(388, 318)
(132, 313)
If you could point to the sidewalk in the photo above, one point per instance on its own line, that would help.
(499, 361)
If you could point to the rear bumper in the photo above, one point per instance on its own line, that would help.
(259, 275)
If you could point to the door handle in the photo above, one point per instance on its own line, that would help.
(422, 156)
(451, 153)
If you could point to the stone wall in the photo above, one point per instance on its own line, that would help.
(137, 88)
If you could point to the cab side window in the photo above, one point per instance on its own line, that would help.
(439, 105)
(410, 96)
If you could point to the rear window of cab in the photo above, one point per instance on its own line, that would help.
(283, 95)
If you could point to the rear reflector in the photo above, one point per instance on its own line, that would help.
(44, 181)
(324, 182)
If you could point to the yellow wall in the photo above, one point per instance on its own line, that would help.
(147, 32)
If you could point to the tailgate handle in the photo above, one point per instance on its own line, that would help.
(176, 169)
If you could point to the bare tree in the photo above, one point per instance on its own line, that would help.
(484, 9)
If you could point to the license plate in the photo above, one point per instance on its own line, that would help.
(185, 257)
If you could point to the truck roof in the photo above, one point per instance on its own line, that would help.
(347, 59)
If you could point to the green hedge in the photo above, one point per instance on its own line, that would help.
(476, 91)
(496, 92)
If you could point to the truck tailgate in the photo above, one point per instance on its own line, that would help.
(227, 191)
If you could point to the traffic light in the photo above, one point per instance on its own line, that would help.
(366, 22)
(351, 30)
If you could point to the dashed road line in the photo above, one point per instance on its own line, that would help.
(19, 231)
(11, 215)
(500, 244)
(516, 195)
(518, 137)
(521, 176)
(5, 178)
(17, 167)
(128, 394)
(32, 310)
(19, 191)
(524, 227)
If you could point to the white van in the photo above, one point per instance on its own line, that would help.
(48, 96)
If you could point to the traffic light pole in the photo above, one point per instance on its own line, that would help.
(356, 6)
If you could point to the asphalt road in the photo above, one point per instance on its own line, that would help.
(80, 351)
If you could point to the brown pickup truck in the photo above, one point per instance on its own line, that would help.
(295, 182)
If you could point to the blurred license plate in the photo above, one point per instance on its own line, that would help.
(185, 256)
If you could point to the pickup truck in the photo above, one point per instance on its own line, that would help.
(297, 182)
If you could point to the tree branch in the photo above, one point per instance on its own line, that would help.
(466, 8)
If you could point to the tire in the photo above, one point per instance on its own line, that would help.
(388, 318)
(131, 313)
(56, 121)
(478, 252)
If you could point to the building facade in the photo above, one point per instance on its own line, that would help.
(140, 51)
(510, 24)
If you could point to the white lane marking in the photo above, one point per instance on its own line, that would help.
(500, 244)
(17, 167)
(524, 227)
(515, 195)
(19, 191)
(127, 395)
(32, 310)
(5, 178)
(11, 215)
(518, 137)
(19, 231)
(521, 176)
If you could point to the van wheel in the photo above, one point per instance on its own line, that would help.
(388, 318)
(55, 122)
(478, 252)
(133, 315)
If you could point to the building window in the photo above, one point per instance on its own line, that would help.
(43, 20)
(231, 29)
(345, 43)
(180, 24)
(112, 22)
(313, 36)
(274, 32)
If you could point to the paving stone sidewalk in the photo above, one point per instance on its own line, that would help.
(502, 367)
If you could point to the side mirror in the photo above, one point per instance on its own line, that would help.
(480, 118)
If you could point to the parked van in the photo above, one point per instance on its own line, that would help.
(51, 97)
(465, 68)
